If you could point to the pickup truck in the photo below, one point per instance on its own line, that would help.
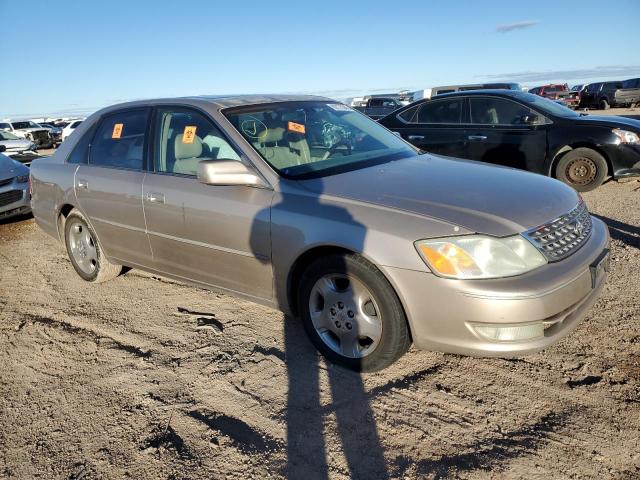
(603, 95)
(378, 107)
(560, 93)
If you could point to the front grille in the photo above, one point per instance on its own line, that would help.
(6, 182)
(563, 236)
(9, 197)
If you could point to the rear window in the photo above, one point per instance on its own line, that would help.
(437, 111)
(119, 140)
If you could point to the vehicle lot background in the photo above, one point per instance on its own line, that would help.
(119, 381)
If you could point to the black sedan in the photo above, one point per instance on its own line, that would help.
(522, 130)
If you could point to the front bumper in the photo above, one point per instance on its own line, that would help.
(442, 312)
(14, 200)
(625, 159)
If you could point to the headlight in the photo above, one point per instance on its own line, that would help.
(23, 178)
(479, 256)
(625, 136)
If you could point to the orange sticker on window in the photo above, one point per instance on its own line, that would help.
(296, 127)
(189, 134)
(117, 130)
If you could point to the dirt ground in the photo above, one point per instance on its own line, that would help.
(145, 378)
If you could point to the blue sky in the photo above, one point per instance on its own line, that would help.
(67, 56)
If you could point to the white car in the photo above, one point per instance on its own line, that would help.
(15, 145)
(29, 130)
(68, 130)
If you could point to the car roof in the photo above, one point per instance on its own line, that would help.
(222, 101)
(497, 92)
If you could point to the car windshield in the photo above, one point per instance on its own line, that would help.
(314, 139)
(21, 125)
(7, 136)
(549, 106)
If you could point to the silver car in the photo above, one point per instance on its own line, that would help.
(14, 187)
(303, 204)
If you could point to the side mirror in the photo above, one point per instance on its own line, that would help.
(227, 172)
(2, 148)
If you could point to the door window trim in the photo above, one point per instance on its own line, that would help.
(97, 125)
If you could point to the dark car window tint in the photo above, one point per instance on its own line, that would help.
(184, 138)
(119, 140)
(80, 152)
(441, 111)
(498, 111)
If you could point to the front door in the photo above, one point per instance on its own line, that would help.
(109, 186)
(216, 235)
(507, 133)
(435, 126)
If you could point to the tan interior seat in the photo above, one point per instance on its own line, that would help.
(187, 155)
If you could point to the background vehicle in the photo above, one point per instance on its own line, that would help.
(305, 205)
(603, 95)
(432, 92)
(559, 92)
(378, 107)
(522, 130)
(69, 128)
(55, 132)
(15, 145)
(14, 187)
(29, 130)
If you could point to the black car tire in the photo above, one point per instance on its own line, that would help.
(604, 105)
(395, 338)
(583, 169)
(102, 270)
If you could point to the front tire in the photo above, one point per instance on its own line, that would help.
(85, 251)
(352, 314)
(583, 169)
(604, 105)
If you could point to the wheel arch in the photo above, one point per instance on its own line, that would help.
(567, 148)
(61, 218)
(309, 256)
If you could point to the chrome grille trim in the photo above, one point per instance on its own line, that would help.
(563, 236)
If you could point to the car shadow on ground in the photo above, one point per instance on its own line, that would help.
(623, 232)
(16, 219)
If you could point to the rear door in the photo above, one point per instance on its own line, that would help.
(109, 187)
(505, 132)
(216, 235)
(435, 126)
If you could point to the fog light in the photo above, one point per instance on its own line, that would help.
(500, 333)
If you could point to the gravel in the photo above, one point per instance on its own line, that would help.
(143, 377)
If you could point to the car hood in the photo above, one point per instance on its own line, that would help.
(477, 196)
(610, 121)
(10, 168)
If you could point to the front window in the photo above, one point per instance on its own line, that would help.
(548, 106)
(314, 139)
(21, 125)
(8, 136)
(500, 111)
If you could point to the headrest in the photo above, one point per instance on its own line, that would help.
(187, 150)
(272, 135)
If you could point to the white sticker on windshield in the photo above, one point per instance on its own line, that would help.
(339, 107)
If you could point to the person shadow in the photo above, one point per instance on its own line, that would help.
(296, 215)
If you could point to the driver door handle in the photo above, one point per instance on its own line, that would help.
(82, 183)
(477, 138)
(415, 137)
(155, 197)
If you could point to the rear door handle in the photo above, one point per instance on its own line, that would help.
(415, 137)
(155, 197)
(477, 138)
(82, 183)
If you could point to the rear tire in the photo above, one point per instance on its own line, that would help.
(604, 105)
(347, 305)
(583, 169)
(85, 251)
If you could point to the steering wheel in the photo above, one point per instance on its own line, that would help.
(332, 149)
